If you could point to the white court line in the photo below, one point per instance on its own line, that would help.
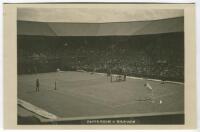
(36, 109)
(139, 78)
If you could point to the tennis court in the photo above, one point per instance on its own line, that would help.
(85, 95)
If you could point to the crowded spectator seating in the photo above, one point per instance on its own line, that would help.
(159, 56)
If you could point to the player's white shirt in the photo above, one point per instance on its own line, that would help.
(149, 86)
(58, 70)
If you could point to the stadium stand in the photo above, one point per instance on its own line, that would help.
(157, 56)
(152, 49)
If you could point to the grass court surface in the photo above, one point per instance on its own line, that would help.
(82, 94)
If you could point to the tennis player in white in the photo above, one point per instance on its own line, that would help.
(148, 86)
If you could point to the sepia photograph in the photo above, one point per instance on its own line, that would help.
(100, 65)
(100, 69)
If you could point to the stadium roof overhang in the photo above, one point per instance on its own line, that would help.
(97, 22)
